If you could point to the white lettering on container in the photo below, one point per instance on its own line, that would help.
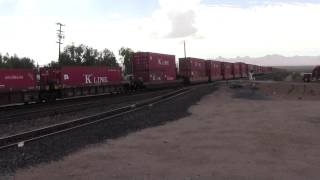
(163, 62)
(90, 79)
(170, 78)
(88, 76)
(66, 77)
(14, 77)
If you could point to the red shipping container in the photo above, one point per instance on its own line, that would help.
(254, 68)
(213, 69)
(244, 70)
(18, 80)
(227, 70)
(259, 69)
(66, 77)
(263, 69)
(236, 70)
(148, 66)
(251, 68)
(267, 69)
(193, 69)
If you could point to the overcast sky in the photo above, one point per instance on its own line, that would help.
(211, 28)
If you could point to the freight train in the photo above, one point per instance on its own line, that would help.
(150, 70)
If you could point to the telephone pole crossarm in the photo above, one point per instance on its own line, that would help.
(60, 37)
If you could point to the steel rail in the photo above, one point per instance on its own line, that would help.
(48, 111)
(22, 138)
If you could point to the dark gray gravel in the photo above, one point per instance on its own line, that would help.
(40, 107)
(56, 147)
(105, 104)
(249, 92)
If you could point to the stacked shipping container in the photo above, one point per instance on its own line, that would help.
(18, 85)
(154, 67)
(227, 70)
(79, 81)
(18, 79)
(193, 69)
(213, 70)
(67, 77)
(236, 70)
(244, 70)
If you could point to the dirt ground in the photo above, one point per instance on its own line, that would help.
(290, 90)
(224, 138)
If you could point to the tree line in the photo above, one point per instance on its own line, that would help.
(7, 61)
(80, 55)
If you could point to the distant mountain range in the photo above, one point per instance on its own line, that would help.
(277, 60)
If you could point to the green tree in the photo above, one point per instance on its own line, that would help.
(75, 54)
(5, 59)
(1, 61)
(90, 57)
(53, 64)
(126, 55)
(65, 59)
(8, 61)
(83, 55)
(70, 51)
(79, 50)
(106, 57)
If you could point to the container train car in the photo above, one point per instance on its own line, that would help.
(236, 70)
(213, 70)
(149, 70)
(71, 81)
(193, 70)
(18, 85)
(244, 70)
(153, 70)
(227, 71)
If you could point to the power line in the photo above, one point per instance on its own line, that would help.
(60, 37)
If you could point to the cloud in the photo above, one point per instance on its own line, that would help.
(181, 16)
(209, 30)
(278, 28)
(182, 24)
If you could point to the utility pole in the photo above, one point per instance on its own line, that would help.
(185, 52)
(60, 38)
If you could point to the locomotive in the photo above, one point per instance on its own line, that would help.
(150, 70)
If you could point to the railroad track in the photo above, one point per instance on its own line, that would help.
(22, 138)
(23, 112)
(20, 106)
(72, 107)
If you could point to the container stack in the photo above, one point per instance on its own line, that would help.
(154, 67)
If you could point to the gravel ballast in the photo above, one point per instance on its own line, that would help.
(24, 124)
(54, 148)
